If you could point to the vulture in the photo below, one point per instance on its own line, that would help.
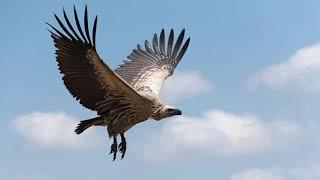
(122, 97)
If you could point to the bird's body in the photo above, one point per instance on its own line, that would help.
(123, 97)
(145, 111)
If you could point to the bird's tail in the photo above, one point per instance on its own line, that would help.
(85, 124)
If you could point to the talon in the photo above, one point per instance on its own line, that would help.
(123, 145)
(122, 148)
(114, 148)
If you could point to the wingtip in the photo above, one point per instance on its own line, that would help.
(188, 41)
(162, 42)
(64, 11)
(155, 44)
(170, 43)
(55, 16)
(75, 11)
(48, 24)
(183, 31)
(155, 37)
(49, 30)
(86, 25)
(183, 50)
(94, 30)
(78, 24)
(86, 11)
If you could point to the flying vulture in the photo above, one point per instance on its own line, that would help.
(122, 97)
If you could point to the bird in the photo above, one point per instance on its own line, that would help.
(122, 97)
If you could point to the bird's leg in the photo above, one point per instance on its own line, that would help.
(123, 145)
(114, 147)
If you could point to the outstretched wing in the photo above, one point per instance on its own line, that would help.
(149, 67)
(85, 75)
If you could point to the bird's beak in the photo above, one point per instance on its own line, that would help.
(178, 112)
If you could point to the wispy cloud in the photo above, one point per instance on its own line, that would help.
(183, 85)
(308, 172)
(52, 130)
(301, 71)
(217, 133)
(257, 174)
(8, 174)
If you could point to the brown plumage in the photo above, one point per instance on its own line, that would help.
(121, 98)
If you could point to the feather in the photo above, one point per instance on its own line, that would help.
(178, 44)
(155, 44)
(150, 67)
(94, 31)
(86, 26)
(70, 26)
(183, 50)
(162, 42)
(57, 31)
(170, 43)
(78, 24)
(64, 28)
(148, 47)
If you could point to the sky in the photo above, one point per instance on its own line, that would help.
(248, 87)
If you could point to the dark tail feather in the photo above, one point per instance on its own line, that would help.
(85, 124)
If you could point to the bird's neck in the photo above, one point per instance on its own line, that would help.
(157, 113)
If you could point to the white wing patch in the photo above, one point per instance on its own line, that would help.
(152, 78)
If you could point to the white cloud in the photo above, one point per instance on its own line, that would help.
(308, 172)
(301, 71)
(53, 130)
(183, 85)
(257, 174)
(219, 133)
(7, 174)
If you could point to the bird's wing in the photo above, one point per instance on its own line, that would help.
(149, 67)
(85, 75)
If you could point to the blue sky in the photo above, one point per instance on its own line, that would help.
(248, 82)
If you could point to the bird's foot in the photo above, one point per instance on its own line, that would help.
(122, 148)
(114, 150)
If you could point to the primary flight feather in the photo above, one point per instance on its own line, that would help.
(123, 97)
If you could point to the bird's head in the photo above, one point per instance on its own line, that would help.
(166, 111)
